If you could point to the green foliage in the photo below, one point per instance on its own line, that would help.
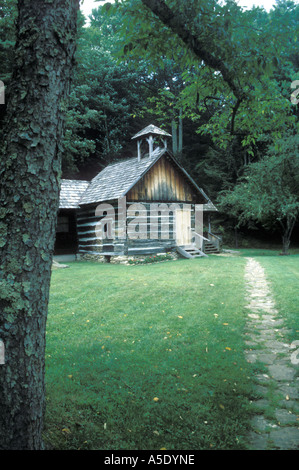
(269, 191)
(104, 94)
(103, 97)
(133, 69)
(8, 16)
(249, 43)
(259, 49)
(151, 259)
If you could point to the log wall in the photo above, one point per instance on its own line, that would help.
(149, 228)
(147, 212)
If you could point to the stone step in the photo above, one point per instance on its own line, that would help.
(190, 251)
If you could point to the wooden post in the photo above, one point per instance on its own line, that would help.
(139, 149)
(150, 141)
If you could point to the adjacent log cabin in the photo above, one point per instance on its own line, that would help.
(140, 206)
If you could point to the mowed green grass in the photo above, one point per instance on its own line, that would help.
(148, 357)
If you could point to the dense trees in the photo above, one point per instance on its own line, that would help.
(268, 191)
(104, 96)
(216, 76)
(220, 74)
(236, 68)
(8, 14)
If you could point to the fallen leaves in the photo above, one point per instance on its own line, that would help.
(66, 431)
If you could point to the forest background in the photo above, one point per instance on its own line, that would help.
(235, 132)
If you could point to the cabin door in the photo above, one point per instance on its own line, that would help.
(183, 226)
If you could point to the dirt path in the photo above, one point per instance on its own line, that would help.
(275, 424)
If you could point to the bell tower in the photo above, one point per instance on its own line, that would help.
(150, 133)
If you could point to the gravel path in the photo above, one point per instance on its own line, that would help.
(275, 424)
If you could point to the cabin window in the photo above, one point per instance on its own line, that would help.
(62, 224)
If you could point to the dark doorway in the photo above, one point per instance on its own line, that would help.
(66, 233)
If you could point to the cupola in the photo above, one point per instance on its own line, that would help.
(150, 134)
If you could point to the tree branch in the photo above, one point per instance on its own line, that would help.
(199, 48)
(235, 109)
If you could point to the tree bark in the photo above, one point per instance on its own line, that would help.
(285, 245)
(287, 233)
(180, 145)
(29, 192)
(174, 137)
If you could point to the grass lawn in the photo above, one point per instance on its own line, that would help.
(150, 356)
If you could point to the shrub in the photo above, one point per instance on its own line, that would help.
(151, 259)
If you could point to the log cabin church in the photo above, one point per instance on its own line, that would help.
(142, 206)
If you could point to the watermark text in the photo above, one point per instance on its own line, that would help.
(294, 95)
(2, 93)
(2, 353)
(148, 221)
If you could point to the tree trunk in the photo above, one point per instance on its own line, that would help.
(174, 138)
(285, 245)
(29, 192)
(177, 23)
(287, 233)
(236, 238)
(180, 147)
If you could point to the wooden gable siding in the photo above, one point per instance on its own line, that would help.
(163, 183)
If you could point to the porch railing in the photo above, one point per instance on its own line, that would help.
(215, 239)
(198, 239)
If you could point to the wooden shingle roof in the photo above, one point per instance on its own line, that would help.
(209, 206)
(118, 178)
(115, 181)
(71, 192)
(151, 129)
